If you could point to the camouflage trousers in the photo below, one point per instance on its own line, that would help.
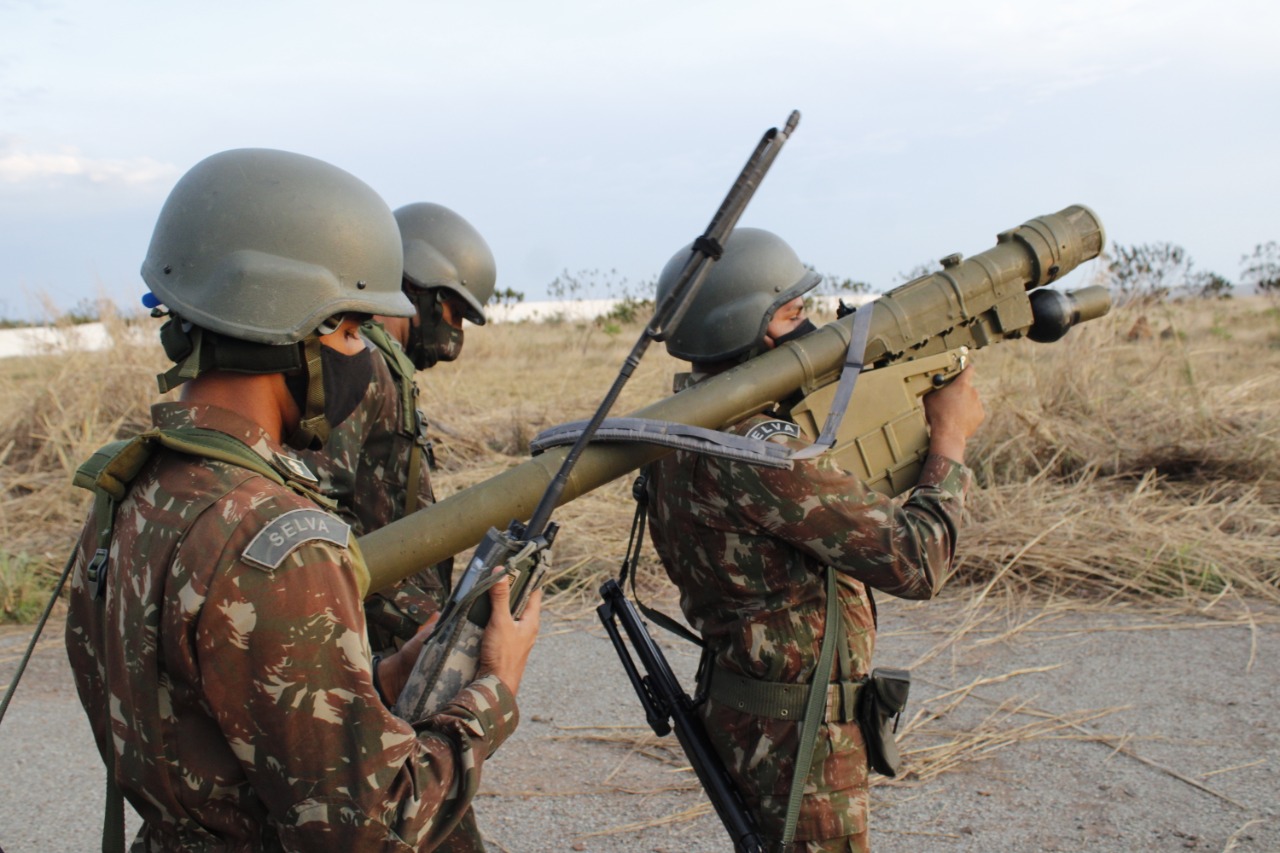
(759, 754)
(848, 844)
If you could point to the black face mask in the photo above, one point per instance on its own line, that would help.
(346, 380)
(806, 326)
(431, 339)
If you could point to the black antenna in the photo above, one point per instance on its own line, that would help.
(707, 249)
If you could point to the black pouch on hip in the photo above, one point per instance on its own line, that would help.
(880, 703)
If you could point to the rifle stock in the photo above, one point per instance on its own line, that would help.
(668, 708)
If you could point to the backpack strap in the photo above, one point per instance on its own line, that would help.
(111, 470)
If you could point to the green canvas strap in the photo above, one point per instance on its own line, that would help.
(211, 444)
(188, 367)
(402, 369)
(775, 699)
(313, 429)
(114, 466)
(113, 810)
(814, 710)
(413, 480)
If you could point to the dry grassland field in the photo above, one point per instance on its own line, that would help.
(1126, 518)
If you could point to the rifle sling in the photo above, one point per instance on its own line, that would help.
(630, 563)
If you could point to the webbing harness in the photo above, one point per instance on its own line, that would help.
(402, 368)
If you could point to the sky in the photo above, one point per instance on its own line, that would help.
(597, 136)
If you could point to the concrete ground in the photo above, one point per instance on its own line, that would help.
(1030, 729)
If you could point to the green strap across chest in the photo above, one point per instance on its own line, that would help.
(402, 370)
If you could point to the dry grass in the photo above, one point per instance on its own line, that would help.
(56, 409)
(1108, 469)
(1113, 468)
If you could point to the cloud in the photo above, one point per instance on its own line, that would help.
(22, 165)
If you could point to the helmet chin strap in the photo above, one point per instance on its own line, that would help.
(313, 429)
(196, 351)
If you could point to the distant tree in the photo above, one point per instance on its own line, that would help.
(1149, 272)
(506, 296)
(597, 284)
(834, 285)
(85, 311)
(918, 271)
(1210, 285)
(568, 286)
(632, 303)
(1262, 268)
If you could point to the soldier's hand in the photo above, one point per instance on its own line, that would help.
(507, 641)
(954, 413)
(394, 670)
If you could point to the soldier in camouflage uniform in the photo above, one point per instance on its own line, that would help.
(215, 624)
(376, 464)
(748, 547)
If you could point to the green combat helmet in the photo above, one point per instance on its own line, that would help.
(443, 255)
(254, 252)
(757, 274)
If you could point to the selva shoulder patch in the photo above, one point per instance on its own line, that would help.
(286, 532)
(768, 429)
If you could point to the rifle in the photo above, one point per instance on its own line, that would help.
(449, 657)
(668, 707)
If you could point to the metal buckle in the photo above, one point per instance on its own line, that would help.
(96, 572)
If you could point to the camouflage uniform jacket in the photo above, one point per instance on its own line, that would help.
(365, 466)
(238, 699)
(747, 547)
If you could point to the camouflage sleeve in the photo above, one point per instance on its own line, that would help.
(903, 549)
(285, 667)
